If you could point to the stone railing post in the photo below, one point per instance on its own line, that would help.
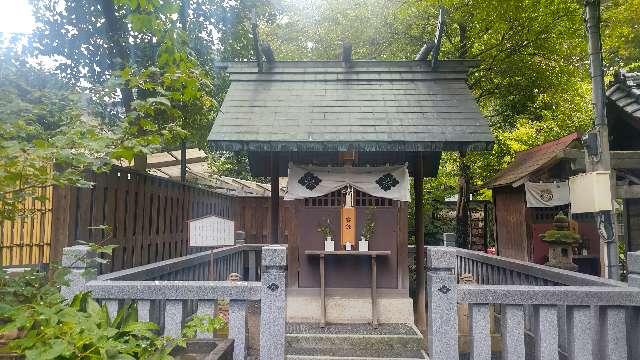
(273, 302)
(633, 314)
(442, 327)
(633, 266)
(82, 269)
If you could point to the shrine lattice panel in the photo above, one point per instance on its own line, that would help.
(337, 199)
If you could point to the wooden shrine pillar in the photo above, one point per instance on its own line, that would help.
(421, 315)
(275, 198)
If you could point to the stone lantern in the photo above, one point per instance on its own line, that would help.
(561, 241)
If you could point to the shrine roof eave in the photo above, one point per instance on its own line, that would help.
(476, 143)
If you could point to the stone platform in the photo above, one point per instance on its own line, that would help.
(353, 341)
(346, 306)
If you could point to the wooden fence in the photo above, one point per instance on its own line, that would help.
(143, 214)
(253, 216)
(27, 240)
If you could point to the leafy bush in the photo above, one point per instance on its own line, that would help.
(45, 326)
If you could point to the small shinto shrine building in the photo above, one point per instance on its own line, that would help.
(348, 134)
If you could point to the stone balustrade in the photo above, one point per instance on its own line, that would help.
(580, 317)
(497, 270)
(169, 292)
(213, 265)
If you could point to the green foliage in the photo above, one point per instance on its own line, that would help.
(436, 190)
(324, 228)
(48, 327)
(561, 237)
(369, 228)
(47, 136)
(621, 34)
(532, 82)
(175, 94)
(232, 164)
(163, 52)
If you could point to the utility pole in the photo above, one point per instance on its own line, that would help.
(600, 160)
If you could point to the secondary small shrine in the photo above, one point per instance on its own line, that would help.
(348, 135)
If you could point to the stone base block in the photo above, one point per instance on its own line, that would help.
(347, 306)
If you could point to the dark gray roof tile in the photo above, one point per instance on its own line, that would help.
(376, 105)
(625, 93)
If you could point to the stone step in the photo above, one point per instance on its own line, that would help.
(345, 341)
(305, 357)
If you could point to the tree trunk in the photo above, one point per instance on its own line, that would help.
(118, 35)
(464, 41)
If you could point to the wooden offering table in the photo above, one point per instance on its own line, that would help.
(372, 254)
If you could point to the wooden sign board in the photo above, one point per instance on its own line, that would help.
(348, 226)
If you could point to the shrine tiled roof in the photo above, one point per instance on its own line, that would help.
(365, 106)
(625, 93)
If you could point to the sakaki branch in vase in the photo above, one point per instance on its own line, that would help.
(325, 229)
(368, 230)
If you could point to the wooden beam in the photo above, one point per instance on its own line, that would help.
(619, 159)
(347, 50)
(628, 191)
(424, 53)
(418, 192)
(625, 159)
(256, 39)
(175, 162)
(438, 39)
(275, 199)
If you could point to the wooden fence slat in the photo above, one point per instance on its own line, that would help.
(139, 218)
(120, 219)
(97, 217)
(111, 183)
(153, 222)
(130, 224)
(85, 203)
(162, 220)
(60, 219)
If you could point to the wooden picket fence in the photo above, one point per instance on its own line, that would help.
(144, 215)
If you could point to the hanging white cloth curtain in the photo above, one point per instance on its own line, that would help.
(390, 182)
(547, 194)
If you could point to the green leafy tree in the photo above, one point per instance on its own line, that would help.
(532, 82)
(47, 136)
